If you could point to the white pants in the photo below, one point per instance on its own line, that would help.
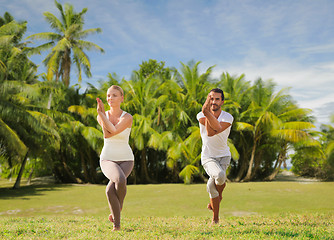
(216, 169)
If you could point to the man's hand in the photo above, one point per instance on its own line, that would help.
(207, 104)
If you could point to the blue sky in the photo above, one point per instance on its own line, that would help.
(291, 42)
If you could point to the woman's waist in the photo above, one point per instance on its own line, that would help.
(116, 140)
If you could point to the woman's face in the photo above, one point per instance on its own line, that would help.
(114, 97)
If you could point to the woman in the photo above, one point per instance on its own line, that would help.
(116, 159)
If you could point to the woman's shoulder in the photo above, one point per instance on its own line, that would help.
(126, 115)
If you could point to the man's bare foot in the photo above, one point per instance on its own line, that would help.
(215, 221)
(209, 207)
(111, 219)
(209, 204)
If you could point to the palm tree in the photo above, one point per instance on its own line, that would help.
(22, 128)
(142, 102)
(195, 87)
(66, 44)
(317, 159)
(186, 154)
(24, 132)
(328, 140)
(188, 97)
(293, 127)
(273, 116)
(237, 91)
(14, 64)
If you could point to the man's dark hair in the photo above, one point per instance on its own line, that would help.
(218, 90)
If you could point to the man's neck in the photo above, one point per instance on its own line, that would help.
(216, 113)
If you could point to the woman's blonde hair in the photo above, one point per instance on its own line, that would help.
(117, 88)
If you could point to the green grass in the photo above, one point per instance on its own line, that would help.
(260, 210)
(251, 227)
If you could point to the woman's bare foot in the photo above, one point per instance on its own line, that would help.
(111, 219)
(116, 228)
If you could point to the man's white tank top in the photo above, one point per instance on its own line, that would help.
(215, 146)
(117, 148)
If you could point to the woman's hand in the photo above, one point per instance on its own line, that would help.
(100, 106)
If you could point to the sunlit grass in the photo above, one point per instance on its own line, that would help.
(169, 200)
(260, 210)
(310, 226)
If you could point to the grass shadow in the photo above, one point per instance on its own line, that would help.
(32, 190)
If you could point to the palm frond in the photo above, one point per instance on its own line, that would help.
(242, 126)
(54, 22)
(49, 36)
(12, 28)
(94, 137)
(83, 34)
(41, 48)
(81, 110)
(330, 148)
(6, 40)
(290, 135)
(12, 140)
(187, 173)
(297, 125)
(295, 113)
(234, 152)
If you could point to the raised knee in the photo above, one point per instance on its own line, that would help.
(120, 181)
(221, 178)
(211, 188)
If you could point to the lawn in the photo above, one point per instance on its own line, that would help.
(256, 210)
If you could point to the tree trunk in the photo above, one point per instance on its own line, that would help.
(257, 164)
(275, 172)
(50, 101)
(92, 168)
(70, 174)
(19, 176)
(250, 166)
(30, 176)
(281, 158)
(242, 170)
(84, 167)
(67, 68)
(276, 163)
(143, 168)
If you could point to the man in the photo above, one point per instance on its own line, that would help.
(215, 126)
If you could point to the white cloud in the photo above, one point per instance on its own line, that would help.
(326, 48)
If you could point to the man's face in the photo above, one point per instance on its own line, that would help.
(216, 101)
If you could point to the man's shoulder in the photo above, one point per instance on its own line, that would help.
(228, 114)
(200, 115)
(226, 117)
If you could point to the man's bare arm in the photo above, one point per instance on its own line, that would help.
(211, 131)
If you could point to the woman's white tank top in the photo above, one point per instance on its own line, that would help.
(117, 148)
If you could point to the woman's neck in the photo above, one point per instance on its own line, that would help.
(115, 111)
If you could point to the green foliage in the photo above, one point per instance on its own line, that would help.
(316, 160)
(14, 63)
